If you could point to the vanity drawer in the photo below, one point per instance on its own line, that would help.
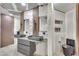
(25, 42)
(24, 47)
(25, 52)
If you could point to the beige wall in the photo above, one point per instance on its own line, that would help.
(22, 23)
(36, 21)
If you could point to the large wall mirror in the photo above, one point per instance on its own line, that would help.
(28, 17)
(43, 20)
(43, 25)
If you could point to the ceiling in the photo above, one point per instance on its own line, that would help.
(64, 7)
(17, 8)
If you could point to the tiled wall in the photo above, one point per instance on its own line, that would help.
(59, 36)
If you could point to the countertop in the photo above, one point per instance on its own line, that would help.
(25, 38)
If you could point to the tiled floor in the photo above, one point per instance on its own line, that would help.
(10, 50)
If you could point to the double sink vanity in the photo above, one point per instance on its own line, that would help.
(27, 45)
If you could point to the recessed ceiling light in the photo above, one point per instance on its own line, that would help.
(11, 14)
(23, 4)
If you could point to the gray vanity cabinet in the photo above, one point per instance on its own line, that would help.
(26, 47)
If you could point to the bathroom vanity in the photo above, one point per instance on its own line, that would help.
(27, 46)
